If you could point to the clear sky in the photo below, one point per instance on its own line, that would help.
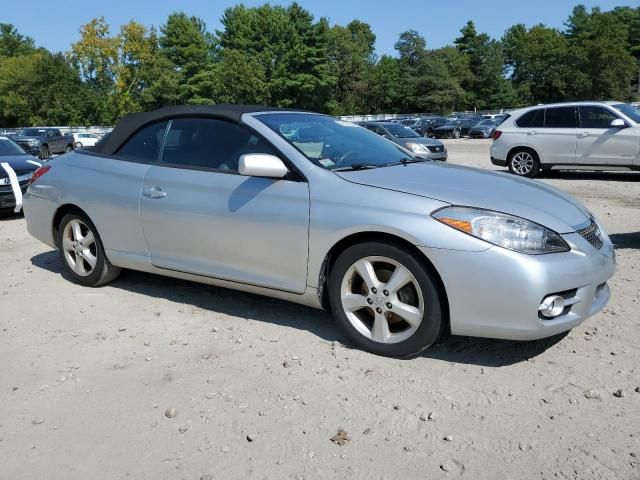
(55, 25)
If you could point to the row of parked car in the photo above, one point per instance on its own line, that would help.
(42, 142)
(455, 126)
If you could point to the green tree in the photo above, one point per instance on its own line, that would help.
(351, 56)
(12, 43)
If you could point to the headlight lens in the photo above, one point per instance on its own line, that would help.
(34, 141)
(417, 148)
(504, 230)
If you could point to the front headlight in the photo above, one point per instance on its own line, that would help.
(34, 141)
(417, 148)
(504, 230)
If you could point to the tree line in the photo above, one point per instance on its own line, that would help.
(283, 56)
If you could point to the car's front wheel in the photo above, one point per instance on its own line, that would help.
(524, 163)
(82, 251)
(385, 299)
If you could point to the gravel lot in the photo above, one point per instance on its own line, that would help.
(89, 379)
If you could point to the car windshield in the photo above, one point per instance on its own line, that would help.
(400, 131)
(629, 110)
(332, 143)
(9, 147)
(31, 132)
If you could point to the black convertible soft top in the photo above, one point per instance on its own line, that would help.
(131, 123)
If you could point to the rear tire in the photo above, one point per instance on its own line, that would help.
(396, 311)
(82, 253)
(69, 149)
(524, 162)
(45, 152)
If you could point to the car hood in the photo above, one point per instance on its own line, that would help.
(419, 140)
(20, 162)
(467, 186)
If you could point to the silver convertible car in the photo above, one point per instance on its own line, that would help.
(307, 208)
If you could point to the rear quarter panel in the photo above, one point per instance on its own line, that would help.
(107, 190)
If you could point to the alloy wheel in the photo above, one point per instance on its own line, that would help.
(79, 247)
(522, 163)
(382, 299)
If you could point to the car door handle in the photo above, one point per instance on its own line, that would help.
(154, 192)
(532, 132)
(584, 134)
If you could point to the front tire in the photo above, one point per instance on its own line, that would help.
(45, 152)
(82, 252)
(69, 149)
(524, 163)
(385, 299)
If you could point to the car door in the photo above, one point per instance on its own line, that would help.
(556, 141)
(56, 141)
(601, 144)
(200, 216)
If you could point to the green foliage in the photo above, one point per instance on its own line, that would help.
(281, 55)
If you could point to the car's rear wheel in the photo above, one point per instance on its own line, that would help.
(524, 163)
(45, 152)
(82, 252)
(78, 144)
(385, 299)
(69, 148)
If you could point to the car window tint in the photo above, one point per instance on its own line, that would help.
(533, 118)
(144, 145)
(596, 117)
(560, 117)
(210, 143)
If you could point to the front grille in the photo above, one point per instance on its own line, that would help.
(592, 235)
(436, 148)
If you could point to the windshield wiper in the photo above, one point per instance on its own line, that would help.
(406, 161)
(355, 166)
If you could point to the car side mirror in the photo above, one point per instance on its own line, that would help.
(262, 165)
(618, 123)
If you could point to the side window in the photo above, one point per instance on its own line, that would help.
(596, 117)
(210, 143)
(532, 119)
(378, 130)
(49, 133)
(144, 145)
(560, 117)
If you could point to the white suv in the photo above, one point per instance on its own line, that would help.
(569, 136)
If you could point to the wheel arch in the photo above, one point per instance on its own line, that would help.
(372, 236)
(59, 215)
(527, 148)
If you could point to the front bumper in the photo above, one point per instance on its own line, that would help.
(496, 293)
(7, 199)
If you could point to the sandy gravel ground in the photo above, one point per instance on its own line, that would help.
(259, 387)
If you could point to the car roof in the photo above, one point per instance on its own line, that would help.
(566, 104)
(131, 123)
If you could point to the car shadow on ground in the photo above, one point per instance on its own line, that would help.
(625, 240)
(466, 350)
(580, 175)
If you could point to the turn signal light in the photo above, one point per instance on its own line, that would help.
(38, 173)
(459, 224)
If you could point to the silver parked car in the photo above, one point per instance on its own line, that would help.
(406, 137)
(569, 136)
(311, 209)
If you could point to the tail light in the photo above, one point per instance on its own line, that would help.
(496, 134)
(38, 173)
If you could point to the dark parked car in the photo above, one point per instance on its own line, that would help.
(16, 169)
(425, 126)
(455, 128)
(409, 139)
(484, 129)
(42, 142)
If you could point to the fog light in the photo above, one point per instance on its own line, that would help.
(552, 306)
